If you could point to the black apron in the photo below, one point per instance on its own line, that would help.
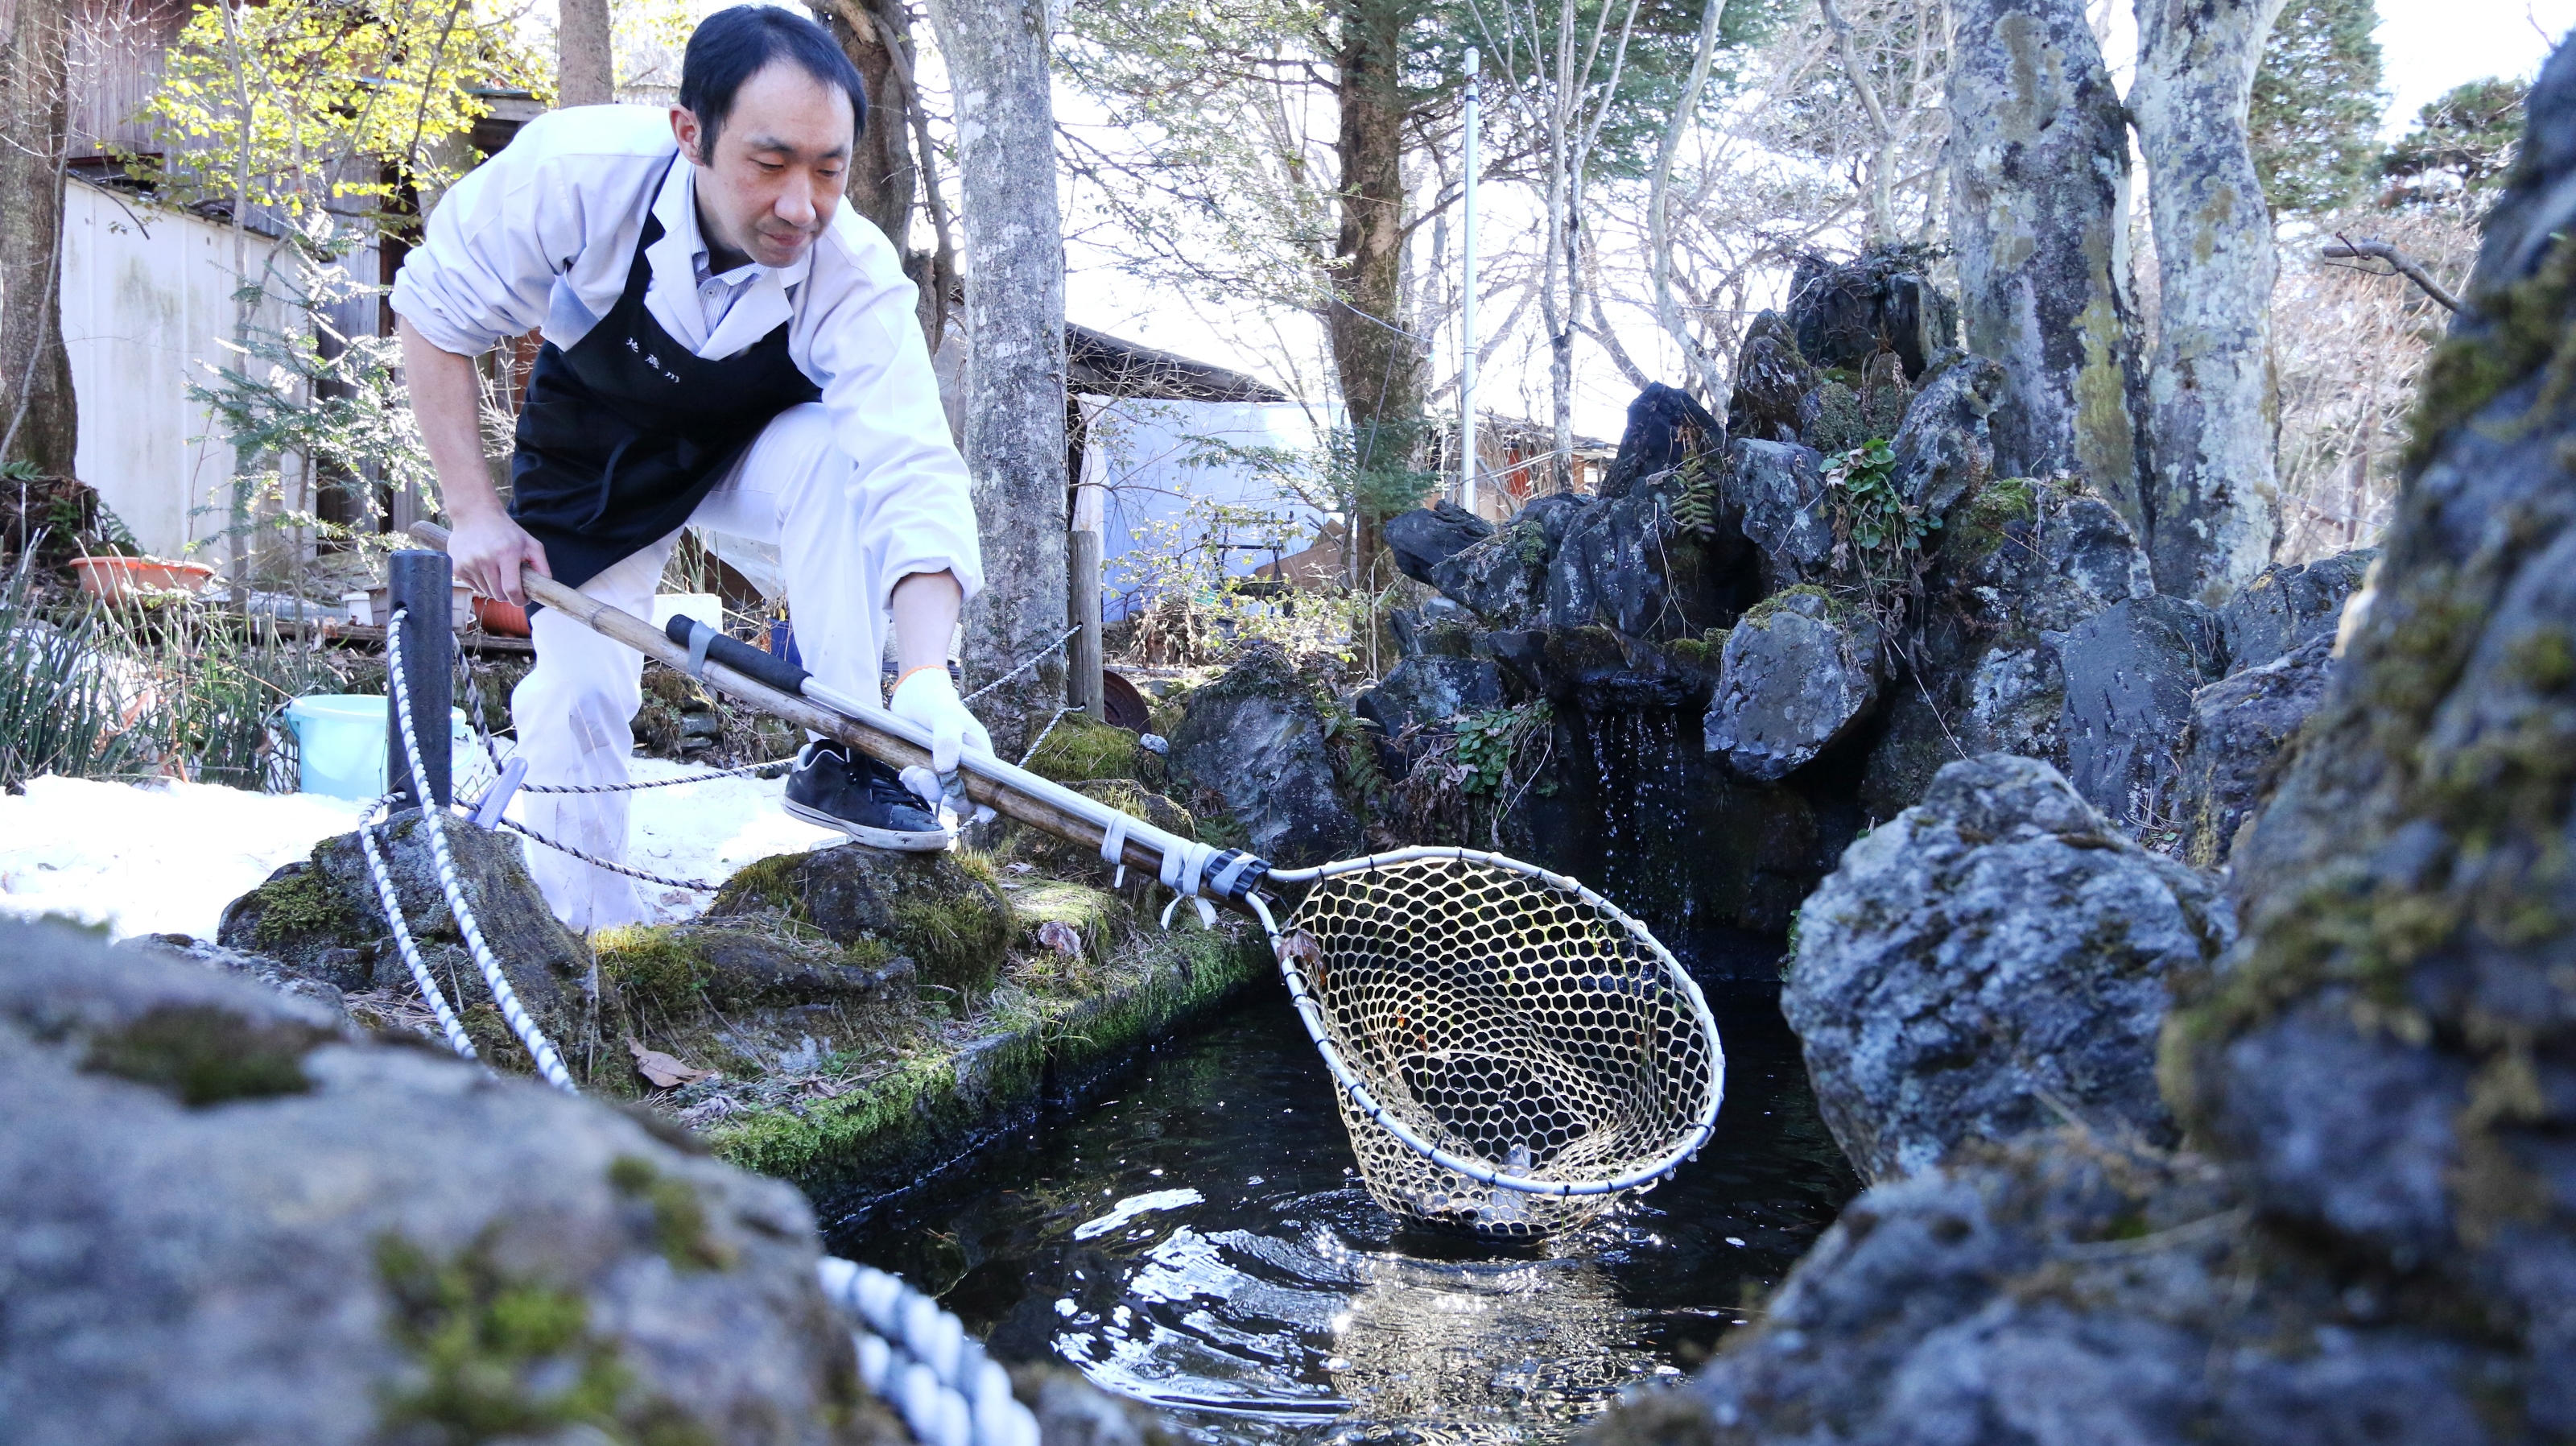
(626, 433)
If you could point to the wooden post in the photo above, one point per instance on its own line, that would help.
(421, 587)
(1082, 590)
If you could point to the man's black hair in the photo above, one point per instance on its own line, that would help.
(731, 46)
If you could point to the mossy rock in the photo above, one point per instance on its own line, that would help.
(680, 970)
(321, 918)
(1079, 749)
(1062, 859)
(945, 910)
(1094, 915)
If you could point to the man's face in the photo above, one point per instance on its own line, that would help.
(767, 187)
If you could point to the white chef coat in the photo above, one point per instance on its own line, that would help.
(543, 235)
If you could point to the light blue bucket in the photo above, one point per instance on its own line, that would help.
(340, 743)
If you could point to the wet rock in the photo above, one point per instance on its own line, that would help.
(1666, 428)
(945, 911)
(1253, 741)
(1600, 671)
(1945, 450)
(1779, 490)
(227, 1224)
(1774, 383)
(1426, 537)
(1793, 678)
(1995, 953)
(320, 919)
(2239, 726)
(2066, 1290)
(2131, 671)
(1637, 565)
(1418, 697)
(2286, 605)
(1846, 315)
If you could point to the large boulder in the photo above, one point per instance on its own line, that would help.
(322, 919)
(1793, 678)
(1995, 955)
(2066, 1291)
(1500, 575)
(2020, 564)
(1845, 315)
(1253, 743)
(1665, 561)
(231, 1222)
(944, 911)
(1414, 705)
(2239, 725)
(1424, 538)
(2131, 671)
(2285, 605)
(1774, 385)
(1666, 427)
(1945, 450)
(1778, 490)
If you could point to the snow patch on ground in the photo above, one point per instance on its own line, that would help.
(165, 858)
(155, 858)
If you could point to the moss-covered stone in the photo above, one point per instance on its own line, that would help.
(1761, 613)
(941, 1098)
(1981, 524)
(679, 1216)
(1079, 748)
(676, 970)
(504, 1356)
(299, 903)
(945, 911)
(205, 1054)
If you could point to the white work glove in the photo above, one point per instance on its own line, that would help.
(928, 699)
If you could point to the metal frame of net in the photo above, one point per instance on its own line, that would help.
(1515, 1054)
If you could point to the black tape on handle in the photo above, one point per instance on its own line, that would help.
(738, 655)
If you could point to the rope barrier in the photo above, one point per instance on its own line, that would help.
(919, 1359)
(434, 819)
(421, 978)
(597, 862)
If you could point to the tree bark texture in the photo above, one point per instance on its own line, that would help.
(585, 54)
(37, 413)
(2038, 213)
(1015, 366)
(2213, 413)
(883, 178)
(1378, 365)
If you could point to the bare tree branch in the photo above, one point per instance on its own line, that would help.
(2344, 248)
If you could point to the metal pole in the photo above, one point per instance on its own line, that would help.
(421, 588)
(1467, 311)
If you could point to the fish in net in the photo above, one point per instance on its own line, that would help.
(1515, 1055)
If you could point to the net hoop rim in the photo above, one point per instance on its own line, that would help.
(1310, 1014)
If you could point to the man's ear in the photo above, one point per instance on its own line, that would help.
(686, 130)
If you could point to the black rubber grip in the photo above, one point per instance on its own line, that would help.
(740, 656)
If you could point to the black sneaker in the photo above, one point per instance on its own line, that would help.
(862, 798)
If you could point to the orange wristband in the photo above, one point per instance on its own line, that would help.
(924, 668)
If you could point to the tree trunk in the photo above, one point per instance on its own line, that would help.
(883, 178)
(1015, 367)
(38, 421)
(585, 54)
(2039, 160)
(1378, 365)
(2213, 414)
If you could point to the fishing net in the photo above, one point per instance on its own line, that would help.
(1514, 1053)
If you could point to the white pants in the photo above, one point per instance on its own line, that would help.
(574, 709)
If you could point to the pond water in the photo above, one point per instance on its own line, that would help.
(1199, 1240)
